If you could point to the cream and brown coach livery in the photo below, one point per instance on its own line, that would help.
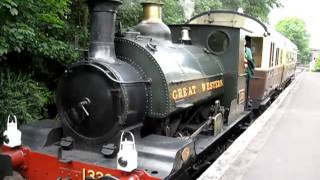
(275, 56)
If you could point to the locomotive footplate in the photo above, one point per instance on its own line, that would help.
(162, 156)
(204, 142)
(159, 156)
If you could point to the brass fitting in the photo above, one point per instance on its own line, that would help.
(152, 11)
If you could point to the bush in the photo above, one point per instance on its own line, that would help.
(40, 28)
(22, 96)
(317, 65)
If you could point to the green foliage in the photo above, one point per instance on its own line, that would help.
(22, 96)
(206, 5)
(36, 41)
(295, 29)
(256, 8)
(38, 27)
(173, 12)
(317, 65)
(131, 13)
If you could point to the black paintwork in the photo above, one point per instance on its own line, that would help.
(114, 105)
(41, 134)
(6, 168)
(102, 29)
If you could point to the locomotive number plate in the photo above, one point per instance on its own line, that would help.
(86, 173)
(241, 96)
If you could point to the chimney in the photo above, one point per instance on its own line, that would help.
(103, 13)
(152, 24)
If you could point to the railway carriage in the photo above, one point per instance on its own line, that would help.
(275, 66)
(275, 56)
(149, 103)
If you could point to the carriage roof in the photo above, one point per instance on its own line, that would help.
(234, 19)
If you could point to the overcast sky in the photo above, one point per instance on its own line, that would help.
(307, 10)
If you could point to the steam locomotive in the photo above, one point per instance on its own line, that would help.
(167, 93)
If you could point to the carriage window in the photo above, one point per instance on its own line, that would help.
(271, 61)
(277, 57)
(218, 42)
(257, 47)
(289, 57)
(281, 56)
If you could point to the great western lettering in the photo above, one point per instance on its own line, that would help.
(182, 92)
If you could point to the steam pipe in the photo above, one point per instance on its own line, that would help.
(103, 14)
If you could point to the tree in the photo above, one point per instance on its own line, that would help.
(131, 13)
(295, 30)
(36, 41)
(37, 27)
(317, 65)
(22, 96)
(173, 12)
(256, 8)
(132, 7)
(206, 5)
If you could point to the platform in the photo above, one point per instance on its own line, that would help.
(282, 144)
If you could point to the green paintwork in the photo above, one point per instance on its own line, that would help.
(170, 66)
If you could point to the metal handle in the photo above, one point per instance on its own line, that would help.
(9, 119)
(152, 47)
(132, 136)
(83, 103)
(144, 37)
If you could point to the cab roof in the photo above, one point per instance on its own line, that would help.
(234, 19)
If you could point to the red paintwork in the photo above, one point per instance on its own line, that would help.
(17, 155)
(38, 166)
